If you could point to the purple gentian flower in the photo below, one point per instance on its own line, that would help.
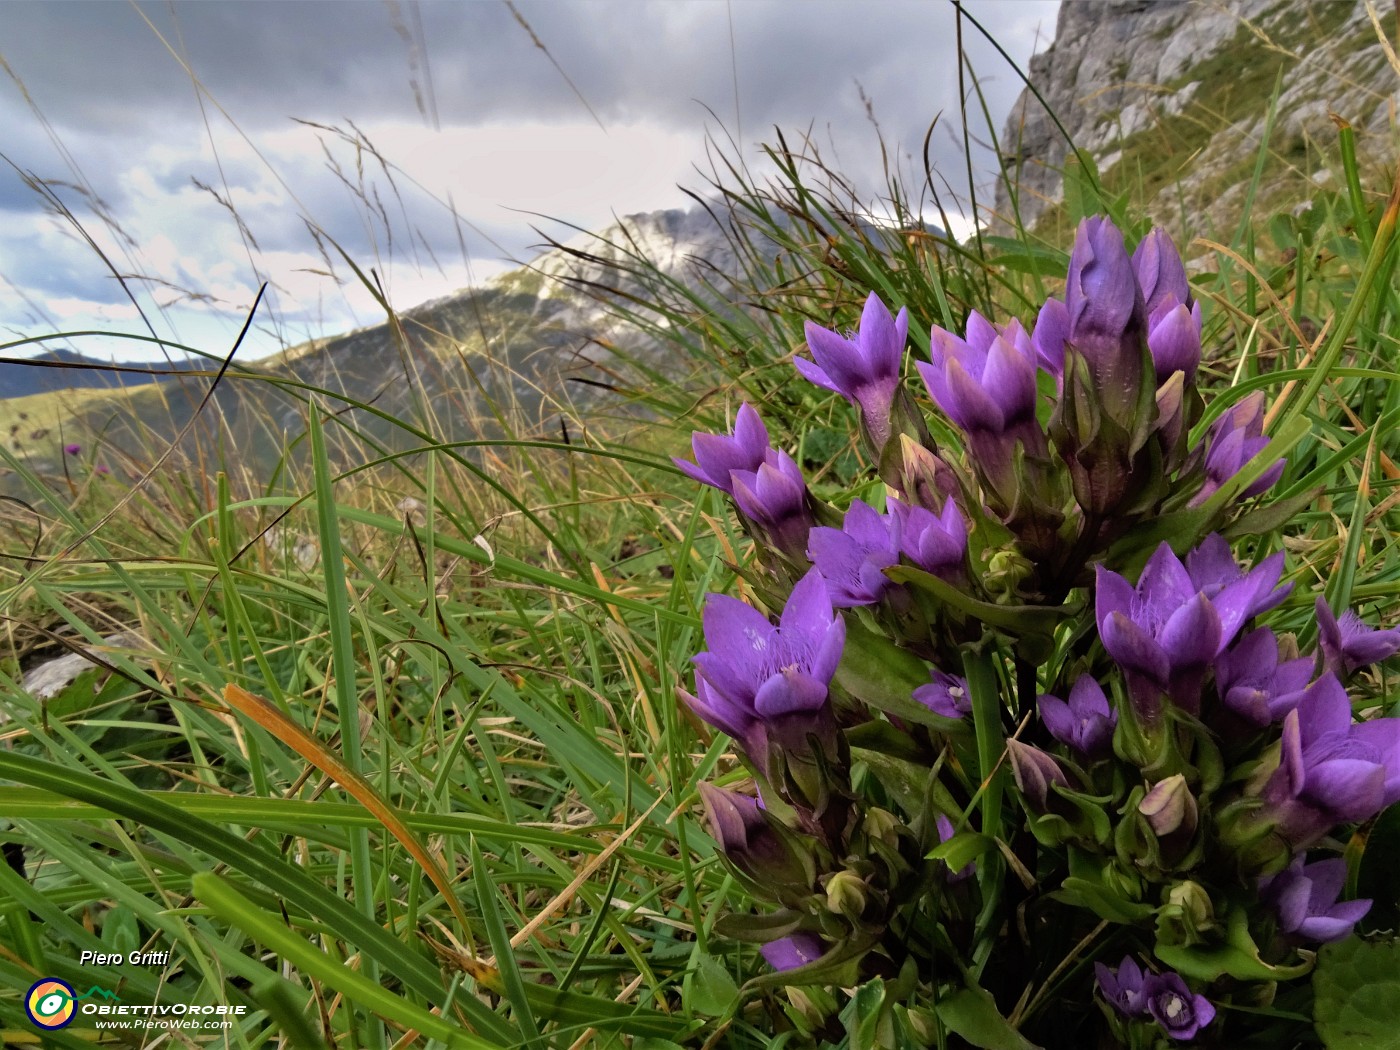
(945, 832)
(759, 682)
(852, 559)
(864, 370)
(1172, 1005)
(749, 841)
(1086, 723)
(1235, 439)
(1212, 568)
(986, 385)
(718, 455)
(72, 449)
(1305, 897)
(1160, 272)
(936, 543)
(1165, 632)
(1107, 317)
(1174, 338)
(775, 497)
(789, 953)
(1123, 988)
(1255, 685)
(1050, 335)
(1035, 772)
(946, 695)
(1348, 644)
(102, 468)
(1331, 771)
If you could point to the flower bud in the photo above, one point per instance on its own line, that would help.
(1169, 808)
(1035, 772)
(847, 894)
(1187, 915)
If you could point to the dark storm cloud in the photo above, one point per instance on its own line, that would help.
(99, 65)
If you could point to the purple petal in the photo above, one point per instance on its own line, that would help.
(1383, 736)
(971, 408)
(1324, 710)
(1192, 635)
(1352, 788)
(814, 374)
(789, 953)
(789, 692)
(1133, 649)
(1055, 713)
(1051, 331)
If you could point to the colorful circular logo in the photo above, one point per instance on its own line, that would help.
(50, 1003)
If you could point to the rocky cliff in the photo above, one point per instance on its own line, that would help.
(1172, 99)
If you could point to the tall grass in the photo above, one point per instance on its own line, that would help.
(397, 760)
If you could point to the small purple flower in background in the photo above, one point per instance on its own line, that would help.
(1331, 771)
(1348, 644)
(72, 449)
(757, 680)
(102, 468)
(1107, 316)
(1235, 439)
(718, 455)
(1123, 987)
(945, 832)
(789, 953)
(986, 385)
(1172, 1005)
(864, 369)
(1165, 632)
(853, 557)
(775, 497)
(1086, 723)
(1305, 897)
(936, 543)
(1034, 772)
(946, 695)
(1255, 685)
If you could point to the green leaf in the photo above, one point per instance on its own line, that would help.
(1238, 957)
(973, 1014)
(962, 849)
(1016, 619)
(710, 990)
(864, 1016)
(1357, 988)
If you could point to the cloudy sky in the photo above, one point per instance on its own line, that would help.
(207, 147)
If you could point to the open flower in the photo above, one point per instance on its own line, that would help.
(1173, 1006)
(719, 455)
(1235, 439)
(788, 953)
(1331, 771)
(758, 682)
(1305, 898)
(1123, 987)
(946, 695)
(1086, 723)
(1166, 631)
(986, 385)
(1254, 684)
(863, 369)
(1348, 644)
(852, 559)
(936, 543)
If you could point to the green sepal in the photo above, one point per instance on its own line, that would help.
(1239, 957)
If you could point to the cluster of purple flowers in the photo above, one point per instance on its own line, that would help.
(1192, 757)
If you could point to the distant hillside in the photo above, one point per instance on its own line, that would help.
(515, 344)
(1171, 98)
(68, 370)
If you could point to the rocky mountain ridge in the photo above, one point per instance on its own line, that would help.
(1172, 98)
